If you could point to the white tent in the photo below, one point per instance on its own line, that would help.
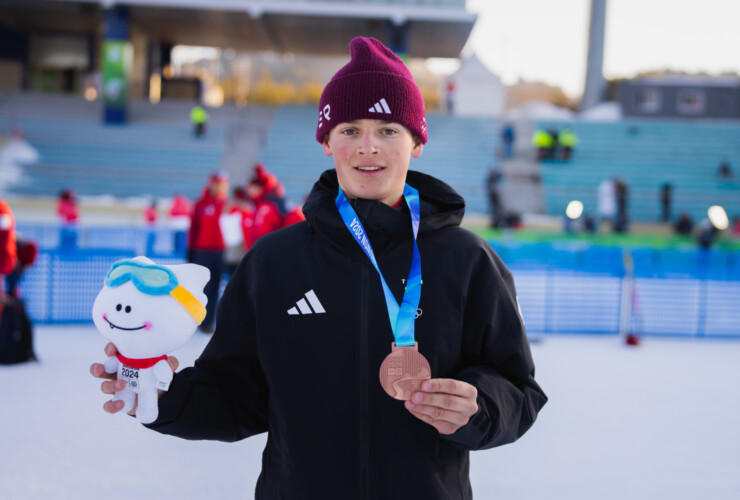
(477, 91)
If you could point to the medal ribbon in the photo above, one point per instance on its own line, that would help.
(401, 317)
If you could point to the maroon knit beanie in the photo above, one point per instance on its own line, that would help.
(374, 84)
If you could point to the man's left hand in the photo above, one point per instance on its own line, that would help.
(444, 403)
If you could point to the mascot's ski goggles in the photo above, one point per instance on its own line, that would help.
(152, 279)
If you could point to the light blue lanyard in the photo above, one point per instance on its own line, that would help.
(401, 318)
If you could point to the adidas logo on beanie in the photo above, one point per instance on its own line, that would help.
(374, 84)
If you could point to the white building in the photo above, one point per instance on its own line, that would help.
(473, 90)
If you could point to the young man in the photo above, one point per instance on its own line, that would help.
(306, 325)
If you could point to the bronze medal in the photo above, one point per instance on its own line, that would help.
(403, 371)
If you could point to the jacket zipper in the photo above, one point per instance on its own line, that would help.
(364, 428)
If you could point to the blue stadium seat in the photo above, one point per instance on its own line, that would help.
(122, 160)
(646, 154)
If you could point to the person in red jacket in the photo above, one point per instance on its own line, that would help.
(205, 241)
(273, 210)
(69, 216)
(8, 251)
(150, 219)
(16, 336)
(16, 253)
(150, 214)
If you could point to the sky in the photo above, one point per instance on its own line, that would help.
(545, 40)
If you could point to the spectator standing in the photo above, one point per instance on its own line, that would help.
(8, 248)
(554, 138)
(199, 118)
(735, 231)
(272, 209)
(724, 171)
(206, 242)
(543, 143)
(494, 199)
(508, 137)
(684, 225)
(706, 234)
(69, 217)
(621, 224)
(451, 92)
(16, 330)
(150, 220)
(567, 142)
(150, 213)
(666, 195)
(589, 224)
(16, 253)
(179, 220)
(607, 203)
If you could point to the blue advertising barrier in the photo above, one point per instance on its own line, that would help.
(568, 287)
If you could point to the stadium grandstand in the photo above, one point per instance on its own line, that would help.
(54, 46)
(120, 135)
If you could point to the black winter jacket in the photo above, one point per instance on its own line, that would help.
(277, 363)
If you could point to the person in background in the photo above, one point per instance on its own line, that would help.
(16, 254)
(684, 225)
(735, 231)
(8, 246)
(27, 252)
(205, 241)
(706, 234)
(199, 118)
(554, 138)
(621, 225)
(450, 95)
(243, 206)
(607, 203)
(69, 216)
(543, 143)
(508, 136)
(589, 224)
(666, 192)
(494, 198)
(567, 141)
(150, 213)
(272, 209)
(179, 220)
(724, 171)
(150, 220)
(308, 319)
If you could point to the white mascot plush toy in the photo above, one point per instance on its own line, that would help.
(147, 310)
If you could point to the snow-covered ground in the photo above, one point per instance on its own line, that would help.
(658, 421)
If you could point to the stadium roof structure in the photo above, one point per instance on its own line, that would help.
(438, 28)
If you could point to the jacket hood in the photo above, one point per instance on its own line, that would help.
(440, 206)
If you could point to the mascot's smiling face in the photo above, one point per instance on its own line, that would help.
(143, 317)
